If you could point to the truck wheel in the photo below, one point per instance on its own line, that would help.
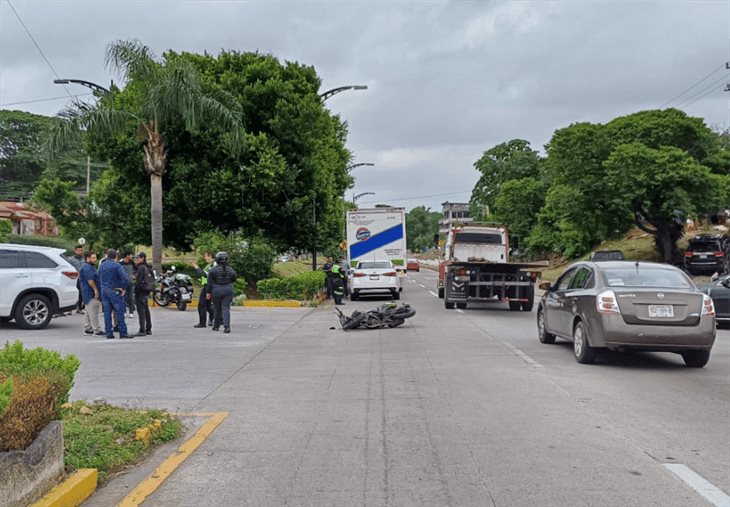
(527, 306)
(441, 292)
(461, 306)
(448, 305)
(514, 306)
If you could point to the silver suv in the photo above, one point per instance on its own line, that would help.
(36, 282)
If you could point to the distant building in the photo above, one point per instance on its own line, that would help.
(454, 213)
(27, 221)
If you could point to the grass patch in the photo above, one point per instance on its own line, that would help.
(104, 438)
(291, 268)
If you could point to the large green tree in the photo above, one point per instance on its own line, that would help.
(512, 160)
(421, 226)
(170, 96)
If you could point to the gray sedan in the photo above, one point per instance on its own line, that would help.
(627, 305)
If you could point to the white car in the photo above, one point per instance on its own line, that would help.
(36, 282)
(374, 277)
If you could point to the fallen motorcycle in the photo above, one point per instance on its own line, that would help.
(387, 315)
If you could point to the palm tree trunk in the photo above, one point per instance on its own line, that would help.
(156, 220)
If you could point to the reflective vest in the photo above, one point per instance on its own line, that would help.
(336, 271)
(204, 279)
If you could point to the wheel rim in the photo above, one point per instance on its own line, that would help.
(35, 312)
(541, 323)
(578, 341)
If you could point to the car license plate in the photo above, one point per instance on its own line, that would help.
(186, 297)
(661, 311)
(374, 277)
(703, 257)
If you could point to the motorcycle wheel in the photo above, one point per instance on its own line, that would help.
(353, 321)
(160, 299)
(372, 322)
(182, 306)
(395, 323)
(404, 313)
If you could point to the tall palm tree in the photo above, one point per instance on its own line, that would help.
(170, 93)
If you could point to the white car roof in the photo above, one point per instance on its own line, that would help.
(32, 248)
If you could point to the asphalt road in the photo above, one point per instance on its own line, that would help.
(454, 408)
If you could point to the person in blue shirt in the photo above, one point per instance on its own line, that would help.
(90, 294)
(114, 283)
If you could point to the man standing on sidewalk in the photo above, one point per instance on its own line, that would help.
(77, 261)
(114, 283)
(143, 286)
(90, 294)
(129, 267)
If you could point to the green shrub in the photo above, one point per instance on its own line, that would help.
(6, 227)
(6, 390)
(251, 258)
(180, 267)
(17, 361)
(303, 286)
(54, 242)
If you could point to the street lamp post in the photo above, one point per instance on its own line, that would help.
(324, 96)
(358, 196)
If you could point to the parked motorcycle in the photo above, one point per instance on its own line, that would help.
(387, 315)
(175, 288)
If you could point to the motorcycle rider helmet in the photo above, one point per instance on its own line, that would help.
(221, 257)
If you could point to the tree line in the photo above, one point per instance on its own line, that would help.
(652, 170)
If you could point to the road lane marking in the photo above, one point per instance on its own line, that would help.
(422, 285)
(712, 493)
(522, 355)
(433, 293)
(460, 310)
(155, 480)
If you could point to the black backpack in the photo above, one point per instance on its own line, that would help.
(148, 283)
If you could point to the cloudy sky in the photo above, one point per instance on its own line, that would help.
(447, 79)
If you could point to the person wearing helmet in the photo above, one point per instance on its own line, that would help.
(220, 290)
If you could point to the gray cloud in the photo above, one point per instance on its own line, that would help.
(447, 80)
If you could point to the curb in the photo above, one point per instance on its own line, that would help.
(73, 491)
(273, 303)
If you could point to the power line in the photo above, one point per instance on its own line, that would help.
(422, 197)
(38, 47)
(692, 87)
(710, 87)
(42, 100)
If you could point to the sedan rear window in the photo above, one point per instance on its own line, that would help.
(374, 265)
(643, 277)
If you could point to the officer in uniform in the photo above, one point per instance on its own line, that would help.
(205, 306)
(338, 283)
(220, 290)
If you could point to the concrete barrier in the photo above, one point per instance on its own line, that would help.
(25, 476)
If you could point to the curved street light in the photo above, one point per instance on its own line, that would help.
(358, 196)
(88, 84)
(361, 164)
(334, 91)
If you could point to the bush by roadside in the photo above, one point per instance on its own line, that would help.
(303, 286)
(54, 242)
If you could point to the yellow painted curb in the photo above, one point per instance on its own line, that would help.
(71, 492)
(272, 303)
(162, 472)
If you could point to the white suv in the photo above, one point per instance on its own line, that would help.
(36, 282)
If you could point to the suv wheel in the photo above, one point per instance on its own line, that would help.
(34, 311)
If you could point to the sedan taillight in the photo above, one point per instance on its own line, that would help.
(708, 307)
(720, 254)
(390, 273)
(358, 275)
(73, 275)
(606, 302)
(688, 254)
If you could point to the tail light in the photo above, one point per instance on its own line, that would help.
(688, 254)
(73, 275)
(390, 273)
(708, 307)
(358, 275)
(720, 254)
(462, 272)
(606, 302)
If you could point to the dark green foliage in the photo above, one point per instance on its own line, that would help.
(6, 227)
(302, 287)
(518, 203)
(251, 258)
(421, 226)
(66, 244)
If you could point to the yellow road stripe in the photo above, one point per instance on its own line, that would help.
(71, 492)
(162, 472)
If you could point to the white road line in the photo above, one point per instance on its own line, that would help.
(712, 493)
(433, 293)
(422, 285)
(460, 310)
(522, 355)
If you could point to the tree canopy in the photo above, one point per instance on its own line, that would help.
(421, 226)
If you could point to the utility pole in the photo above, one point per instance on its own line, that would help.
(88, 174)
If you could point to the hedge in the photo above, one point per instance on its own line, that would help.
(34, 384)
(303, 286)
(54, 242)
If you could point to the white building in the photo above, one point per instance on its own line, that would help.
(454, 213)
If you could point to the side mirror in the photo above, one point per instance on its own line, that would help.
(546, 286)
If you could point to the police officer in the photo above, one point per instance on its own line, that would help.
(205, 306)
(338, 283)
(220, 291)
(114, 284)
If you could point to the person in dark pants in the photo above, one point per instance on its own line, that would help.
(142, 287)
(327, 268)
(114, 285)
(78, 262)
(220, 291)
(129, 267)
(205, 306)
